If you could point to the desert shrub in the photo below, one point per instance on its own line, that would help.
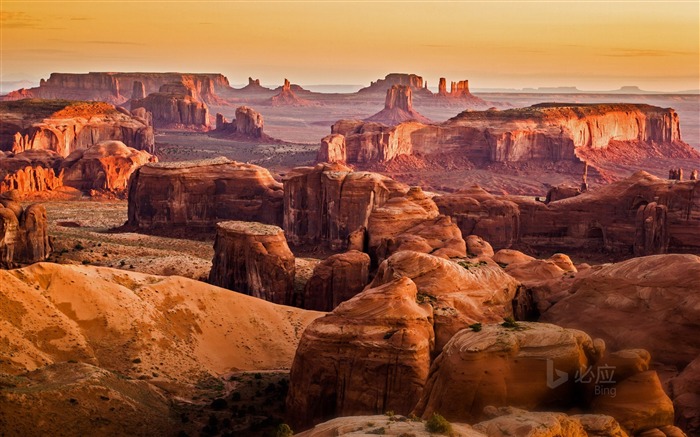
(438, 425)
(283, 430)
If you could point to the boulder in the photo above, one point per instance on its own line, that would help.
(462, 292)
(478, 247)
(201, 193)
(525, 365)
(335, 280)
(686, 397)
(437, 236)
(254, 259)
(370, 355)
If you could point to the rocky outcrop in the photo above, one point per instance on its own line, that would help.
(651, 302)
(64, 127)
(510, 421)
(398, 107)
(328, 202)
(114, 87)
(544, 132)
(201, 193)
(336, 279)
(30, 172)
(381, 86)
(175, 106)
(254, 259)
(139, 91)
(369, 356)
(248, 124)
(505, 366)
(461, 292)
(106, 166)
(686, 397)
(332, 149)
(287, 97)
(479, 213)
(23, 233)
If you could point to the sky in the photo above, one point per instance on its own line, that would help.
(595, 45)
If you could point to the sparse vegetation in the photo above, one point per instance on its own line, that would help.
(438, 424)
(283, 430)
(470, 265)
(510, 323)
(476, 327)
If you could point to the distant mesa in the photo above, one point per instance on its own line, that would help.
(412, 81)
(288, 97)
(254, 86)
(115, 87)
(398, 107)
(248, 124)
(66, 126)
(175, 106)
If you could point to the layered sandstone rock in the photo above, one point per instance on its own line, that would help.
(462, 292)
(24, 235)
(106, 166)
(479, 213)
(64, 127)
(478, 247)
(30, 172)
(437, 236)
(248, 124)
(202, 193)
(649, 302)
(139, 91)
(175, 106)
(254, 259)
(544, 132)
(328, 202)
(370, 355)
(686, 397)
(114, 87)
(332, 149)
(509, 421)
(336, 279)
(505, 366)
(390, 425)
(398, 107)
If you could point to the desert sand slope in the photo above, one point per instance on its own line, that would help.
(162, 328)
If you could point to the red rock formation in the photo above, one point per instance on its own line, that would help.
(462, 292)
(381, 86)
(442, 87)
(328, 202)
(30, 172)
(253, 258)
(501, 366)
(64, 127)
(332, 149)
(335, 280)
(369, 356)
(139, 91)
(202, 193)
(23, 234)
(545, 132)
(287, 97)
(175, 106)
(248, 124)
(398, 107)
(686, 397)
(106, 166)
(108, 87)
(651, 302)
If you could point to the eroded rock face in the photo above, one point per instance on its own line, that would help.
(114, 87)
(332, 149)
(23, 234)
(202, 193)
(370, 355)
(383, 424)
(398, 107)
(105, 166)
(64, 127)
(462, 293)
(544, 132)
(500, 366)
(509, 421)
(328, 202)
(248, 124)
(175, 106)
(649, 302)
(254, 259)
(336, 279)
(30, 172)
(686, 397)
(139, 91)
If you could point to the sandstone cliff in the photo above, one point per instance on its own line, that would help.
(248, 124)
(327, 203)
(253, 258)
(30, 172)
(24, 237)
(64, 127)
(175, 106)
(202, 193)
(115, 87)
(398, 107)
(545, 132)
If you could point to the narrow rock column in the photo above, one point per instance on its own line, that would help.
(254, 259)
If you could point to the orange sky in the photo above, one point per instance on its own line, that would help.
(590, 44)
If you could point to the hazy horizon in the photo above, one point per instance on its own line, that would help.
(515, 44)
